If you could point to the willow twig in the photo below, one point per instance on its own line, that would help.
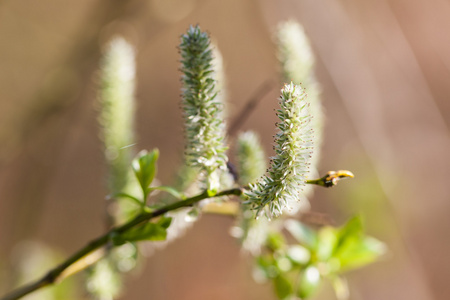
(88, 254)
(250, 106)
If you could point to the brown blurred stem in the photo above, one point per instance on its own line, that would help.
(92, 251)
(263, 89)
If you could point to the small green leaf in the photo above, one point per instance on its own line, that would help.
(357, 252)
(164, 222)
(354, 249)
(169, 190)
(284, 264)
(283, 287)
(275, 241)
(309, 282)
(267, 264)
(327, 240)
(211, 192)
(302, 233)
(148, 232)
(144, 167)
(354, 227)
(128, 196)
(192, 215)
(298, 254)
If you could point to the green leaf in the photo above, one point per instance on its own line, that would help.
(353, 228)
(164, 222)
(357, 252)
(283, 287)
(354, 249)
(267, 265)
(147, 232)
(302, 233)
(275, 241)
(284, 264)
(211, 192)
(193, 214)
(169, 190)
(309, 282)
(327, 240)
(298, 254)
(128, 196)
(144, 167)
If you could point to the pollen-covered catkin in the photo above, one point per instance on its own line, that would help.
(286, 177)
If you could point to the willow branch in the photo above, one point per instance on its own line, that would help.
(92, 251)
(250, 106)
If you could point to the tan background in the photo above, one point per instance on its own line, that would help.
(384, 67)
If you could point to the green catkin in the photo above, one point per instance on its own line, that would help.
(117, 106)
(282, 186)
(251, 158)
(297, 65)
(204, 124)
(117, 111)
(251, 162)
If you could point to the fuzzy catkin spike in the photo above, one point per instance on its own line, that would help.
(297, 64)
(290, 166)
(104, 282)
(251, 158)
(294, 53)
(204, 124)
(117, 106)
(117, 110)
(251, 165)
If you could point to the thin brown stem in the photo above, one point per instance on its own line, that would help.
(250, 106)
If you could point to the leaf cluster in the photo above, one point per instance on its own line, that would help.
(297, 269)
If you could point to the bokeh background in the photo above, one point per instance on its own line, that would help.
(384, 68)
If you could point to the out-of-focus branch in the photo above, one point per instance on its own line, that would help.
(251, 105)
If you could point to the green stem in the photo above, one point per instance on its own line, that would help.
(62, 271)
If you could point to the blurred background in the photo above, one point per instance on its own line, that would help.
(384, 68)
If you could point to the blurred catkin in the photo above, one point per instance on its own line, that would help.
(251, 158)
(251, 162)
(117, 106)
(104, 280)
(117, 111)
